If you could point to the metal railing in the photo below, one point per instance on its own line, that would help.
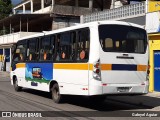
(13, 37)
(117, 13)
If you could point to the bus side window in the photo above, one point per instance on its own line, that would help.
(46, 49)
(20, 53)
(32, 51)
(83, 45)
(65, 47)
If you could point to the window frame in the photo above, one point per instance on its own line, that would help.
(74, 60)
(22, 42)
(115, 49)
(51, 48)
(89, 40)
(36, 49)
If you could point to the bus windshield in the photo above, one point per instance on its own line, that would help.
(120, 38)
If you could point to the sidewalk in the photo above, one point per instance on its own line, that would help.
(4, 74)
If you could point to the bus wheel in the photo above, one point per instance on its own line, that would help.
(56, 96)
(16, 87)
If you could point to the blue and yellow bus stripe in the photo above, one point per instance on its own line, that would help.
(108, 67)
(86, 66)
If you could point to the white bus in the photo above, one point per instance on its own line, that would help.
(93, 59)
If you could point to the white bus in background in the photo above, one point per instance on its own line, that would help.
(93, 59)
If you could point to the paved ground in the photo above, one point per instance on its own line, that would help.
(32, 100)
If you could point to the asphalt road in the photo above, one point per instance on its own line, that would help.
(33, 100)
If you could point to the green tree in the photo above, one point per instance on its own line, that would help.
(5, 11)
(5, 8)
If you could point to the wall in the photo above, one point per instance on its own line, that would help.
(62, 23)
(13, 38)
(154, 44)
(141, 20)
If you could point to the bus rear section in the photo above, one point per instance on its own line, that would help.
(123, 59)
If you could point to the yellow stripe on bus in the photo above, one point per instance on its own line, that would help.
(81, 66)
(72, 66)
(90, 66)
(141, 67)
(20, 65)
(106, 66)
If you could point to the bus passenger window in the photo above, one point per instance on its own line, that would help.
(32, 51)
(83, 45)
(20, 52)
(46, 49)
(64, 47)
(19, 55)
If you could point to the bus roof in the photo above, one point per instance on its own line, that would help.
(32, 36)
(81, 26)
(92, 24)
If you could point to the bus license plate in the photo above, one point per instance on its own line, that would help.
(123, 89)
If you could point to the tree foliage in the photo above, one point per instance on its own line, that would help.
(5, 8)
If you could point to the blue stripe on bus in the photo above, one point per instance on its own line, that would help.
(124, 67)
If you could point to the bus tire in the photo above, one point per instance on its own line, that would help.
(16, 87)
(56, 96)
